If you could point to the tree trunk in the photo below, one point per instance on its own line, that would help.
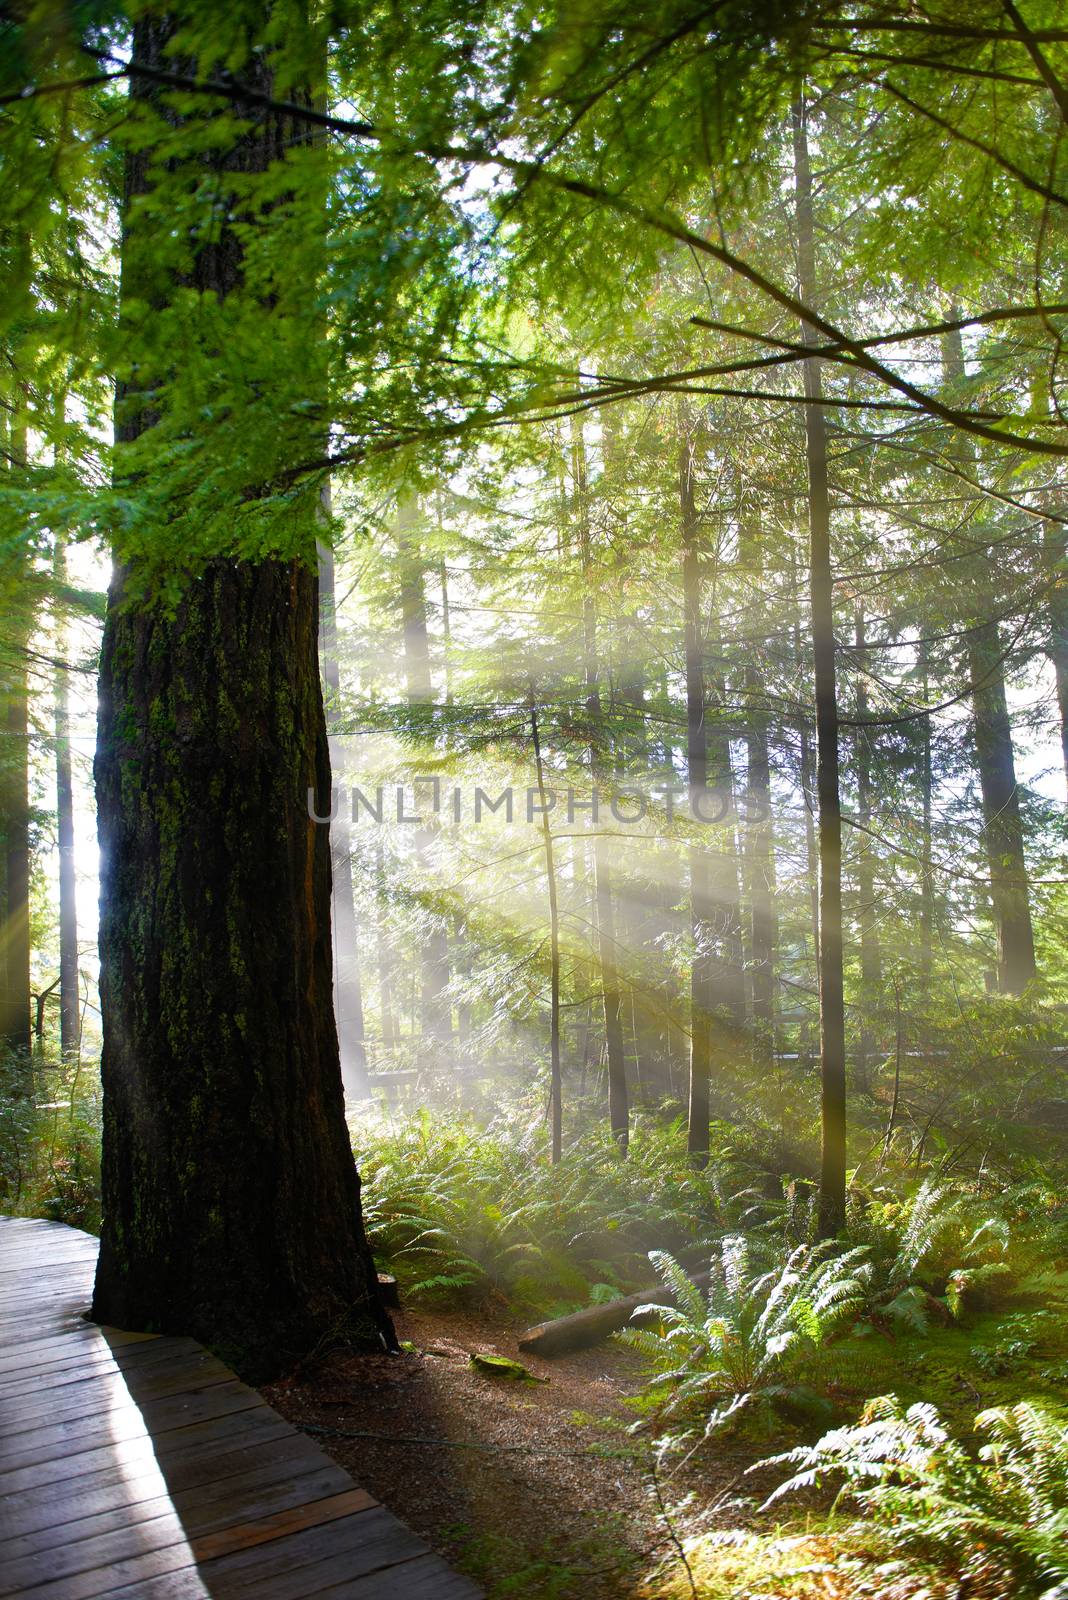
(434, 1008)
(821, 590)
(1055, 548)
(702, 967)
(16, 1015)
(871, 961)
(231, 1204)
(69, 996)
(348, 990)
(385, 956)
(1002, 825)
(618, 1095)
(807, 779)
(556, 1107)
(926, 862)
(759, 832)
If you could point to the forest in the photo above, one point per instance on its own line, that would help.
(534, 695)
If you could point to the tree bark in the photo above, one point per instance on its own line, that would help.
(231, 1204)
(821, 591)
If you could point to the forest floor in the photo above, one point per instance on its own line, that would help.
(533, 1488)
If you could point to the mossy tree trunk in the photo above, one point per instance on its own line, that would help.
(231, 1202)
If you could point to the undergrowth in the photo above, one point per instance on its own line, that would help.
(50, 1139)
(460, 1209)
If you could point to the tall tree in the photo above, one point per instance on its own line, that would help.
(828, 788)
(69, 993)
(434, 1006)
(231, 1206)
(1002, 825)
(871, 964)
(713, 974)
(1056, 553)
(604, 913)
(15, 1020)
(759, 833)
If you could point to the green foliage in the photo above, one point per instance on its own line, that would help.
(940, 1241)
(457, 1207)
(736, 1355)
(50, 1140)
(998, 1521)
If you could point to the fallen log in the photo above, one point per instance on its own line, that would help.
(580, 1329)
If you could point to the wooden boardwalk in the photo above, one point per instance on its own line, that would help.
(140, 1467)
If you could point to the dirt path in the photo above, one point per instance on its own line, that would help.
(535, 1489)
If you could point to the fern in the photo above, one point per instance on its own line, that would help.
(733, 1355)
(998, 1521)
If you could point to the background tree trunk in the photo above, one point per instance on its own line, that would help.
(604, 916)
(556, 1090)
(434, 1008)
(871, 961)
(1055, 549)
(829, 820)
(69, 996)
(759, 834)
(15, 1019)
(1002, 826)
(926, 800)
(702, 967)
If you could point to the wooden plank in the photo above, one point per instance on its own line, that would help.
(20, 1413)
(128, 1459)
(134, 1569)
(91, 1359)
(134, 1541)
(77, 1493)
(292, 1519)
(33, 1523)
(127, 1423)
(305, 1563)
(65, 1317)
(185, 1584)
(425, 1578)
(116, 1512)
(257, 1494)
(53, 1341)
